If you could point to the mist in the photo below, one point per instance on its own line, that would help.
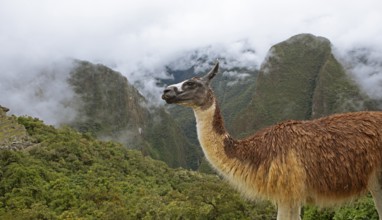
(140, 38)
(40, 91)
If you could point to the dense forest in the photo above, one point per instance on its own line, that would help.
(70, 175)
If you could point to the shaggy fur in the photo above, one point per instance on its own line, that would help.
(335, 156)
(323, 161)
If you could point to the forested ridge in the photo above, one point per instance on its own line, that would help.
(70, 175)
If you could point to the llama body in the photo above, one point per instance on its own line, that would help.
(323, 161)
(299, 162)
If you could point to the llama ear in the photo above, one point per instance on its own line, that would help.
(212, 73)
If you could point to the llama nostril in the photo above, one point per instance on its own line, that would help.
(166, 91)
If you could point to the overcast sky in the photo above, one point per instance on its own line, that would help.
(138, 37)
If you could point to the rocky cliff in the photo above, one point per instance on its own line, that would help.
(13, 136)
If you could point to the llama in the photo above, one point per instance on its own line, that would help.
(323, 161)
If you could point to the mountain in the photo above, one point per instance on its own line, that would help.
(108, 105)
(110, 108)
(300, 79)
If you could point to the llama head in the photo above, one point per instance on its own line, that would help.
(195, 92)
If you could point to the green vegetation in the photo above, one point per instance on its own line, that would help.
(362, 209)
(69, 175)
(169, 144)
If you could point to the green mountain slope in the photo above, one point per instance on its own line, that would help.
(111, 108)
(108, 105)
(168, 142)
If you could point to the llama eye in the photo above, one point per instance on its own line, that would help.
(190, 83)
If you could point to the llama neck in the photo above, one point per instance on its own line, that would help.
(213, 138)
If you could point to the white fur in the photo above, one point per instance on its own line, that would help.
(178, 86)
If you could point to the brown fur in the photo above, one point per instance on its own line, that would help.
(218, 123)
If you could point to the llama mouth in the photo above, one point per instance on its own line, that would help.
(169, 99)
(173, 99)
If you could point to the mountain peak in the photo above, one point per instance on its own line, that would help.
(307, 39)
(300, 79)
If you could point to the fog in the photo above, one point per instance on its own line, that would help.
(138, 38)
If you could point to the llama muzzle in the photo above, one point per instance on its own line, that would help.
(169, 95)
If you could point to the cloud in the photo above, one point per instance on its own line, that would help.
(365, 65)
(237, 54)
(40, 92)
(138, 38)
(235, 77)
